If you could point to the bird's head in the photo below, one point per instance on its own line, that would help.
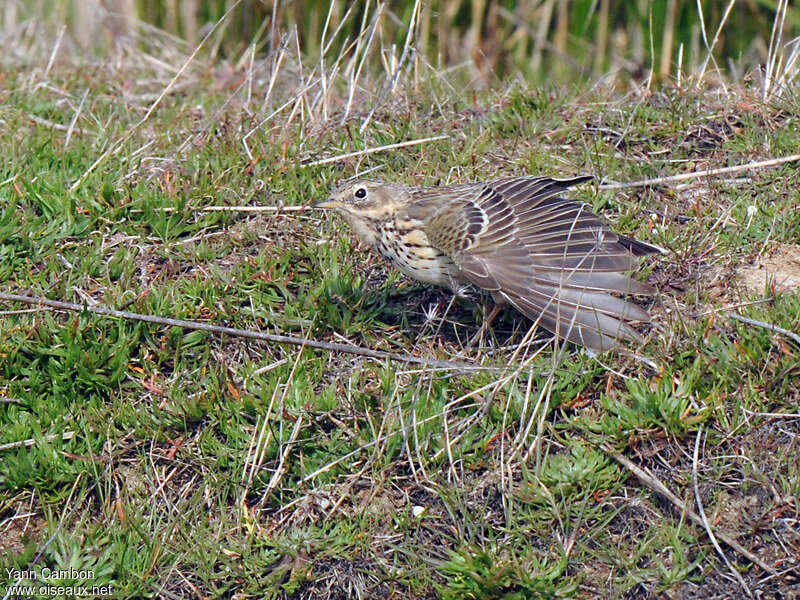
(365, 196)
(364, 203)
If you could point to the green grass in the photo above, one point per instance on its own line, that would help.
(199, 465)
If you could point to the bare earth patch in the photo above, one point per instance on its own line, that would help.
(781, 269)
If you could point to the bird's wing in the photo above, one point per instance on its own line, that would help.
(552, 258)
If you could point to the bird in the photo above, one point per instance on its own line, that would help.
(550, 257)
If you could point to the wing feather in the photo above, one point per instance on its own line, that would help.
(553, 259)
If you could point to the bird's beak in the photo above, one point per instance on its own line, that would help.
(329, 203)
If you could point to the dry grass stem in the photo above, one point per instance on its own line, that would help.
(761, 164)
(701, 511)
(333, 159)
(67, 435)
(658, 487)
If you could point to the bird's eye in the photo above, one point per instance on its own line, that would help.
(360, 193)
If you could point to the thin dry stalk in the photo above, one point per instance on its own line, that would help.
(773, 50)
(339, 157)
(651, 72)
(279, 470)
(668, 39)
(354, 76)
(257, 448)
(710, 48)
(250, 209)
(53, 54)
(761, 164)
(29, 443)
(702, 513)
(780, 68)
(277, 61)
(74, 119)
(395, 69)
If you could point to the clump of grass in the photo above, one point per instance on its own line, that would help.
(477, 573)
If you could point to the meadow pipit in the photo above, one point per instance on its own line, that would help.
(551, 258)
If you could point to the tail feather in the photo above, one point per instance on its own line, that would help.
(581, 325)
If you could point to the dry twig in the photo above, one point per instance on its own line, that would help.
(246, 333)
(769, 326)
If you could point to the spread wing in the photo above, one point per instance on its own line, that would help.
(553, 259)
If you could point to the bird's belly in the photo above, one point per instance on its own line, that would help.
(418, 259)
(438, 270)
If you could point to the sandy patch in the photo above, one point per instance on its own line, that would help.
(781, 269)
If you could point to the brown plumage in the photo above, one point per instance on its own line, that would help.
(551, 258)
